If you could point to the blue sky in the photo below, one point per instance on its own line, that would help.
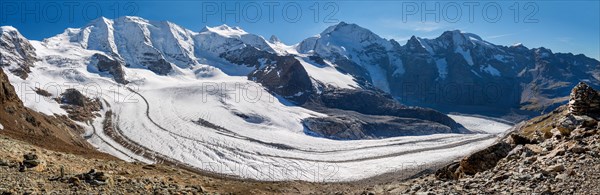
(563, 26)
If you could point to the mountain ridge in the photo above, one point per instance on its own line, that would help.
(117, 48)
(416, 73)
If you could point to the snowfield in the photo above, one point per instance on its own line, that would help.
(203, 118)
(273, 146)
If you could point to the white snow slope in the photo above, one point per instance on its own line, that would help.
(204, 118)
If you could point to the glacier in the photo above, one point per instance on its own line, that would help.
(203, 112)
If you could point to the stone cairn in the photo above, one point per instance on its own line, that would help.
(584, 100)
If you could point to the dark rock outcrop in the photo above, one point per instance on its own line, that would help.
(484, 159)
(377, 103)
(450, 171)
(282, 75)
(73, 97)
(249, 56)
(285, 77)
(7, 91)
(159, 65)
(79, 107)
(30, 160)
(113, 66)
(353, 126)
(477, 162)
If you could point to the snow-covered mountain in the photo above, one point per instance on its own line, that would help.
(357, 51)
(16, 52)
(474, 72)
(166, 93)
(456, 71)
(125, 48)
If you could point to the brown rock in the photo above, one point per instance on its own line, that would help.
(484, 159)
(450, 171)
(577, 149)
(518, 139)
(558, 151)
(534, 148)
(555, 168)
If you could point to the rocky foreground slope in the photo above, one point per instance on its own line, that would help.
(555, 153)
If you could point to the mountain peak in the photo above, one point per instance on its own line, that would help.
(100, 19)
(461, 38)
(224, 30)
(132, 18)
(9, 29)
(223, 27)
(451, 32)
(519, 46)
(415, 44)
(274, 39)
(455, 36)
(543, 52)
(351, 35)
(343, 26)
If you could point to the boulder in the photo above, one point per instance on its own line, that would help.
(536, 149)
(451, 171)
(93, 178)
(31, 160)
(518, 139)
(555, 168)
(485, 159)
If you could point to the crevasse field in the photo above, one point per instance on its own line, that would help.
(204, 118)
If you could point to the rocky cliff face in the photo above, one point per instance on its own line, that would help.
(555, 153)
(7, 93)
(16, 52)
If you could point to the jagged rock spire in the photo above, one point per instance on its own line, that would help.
(584, 100)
